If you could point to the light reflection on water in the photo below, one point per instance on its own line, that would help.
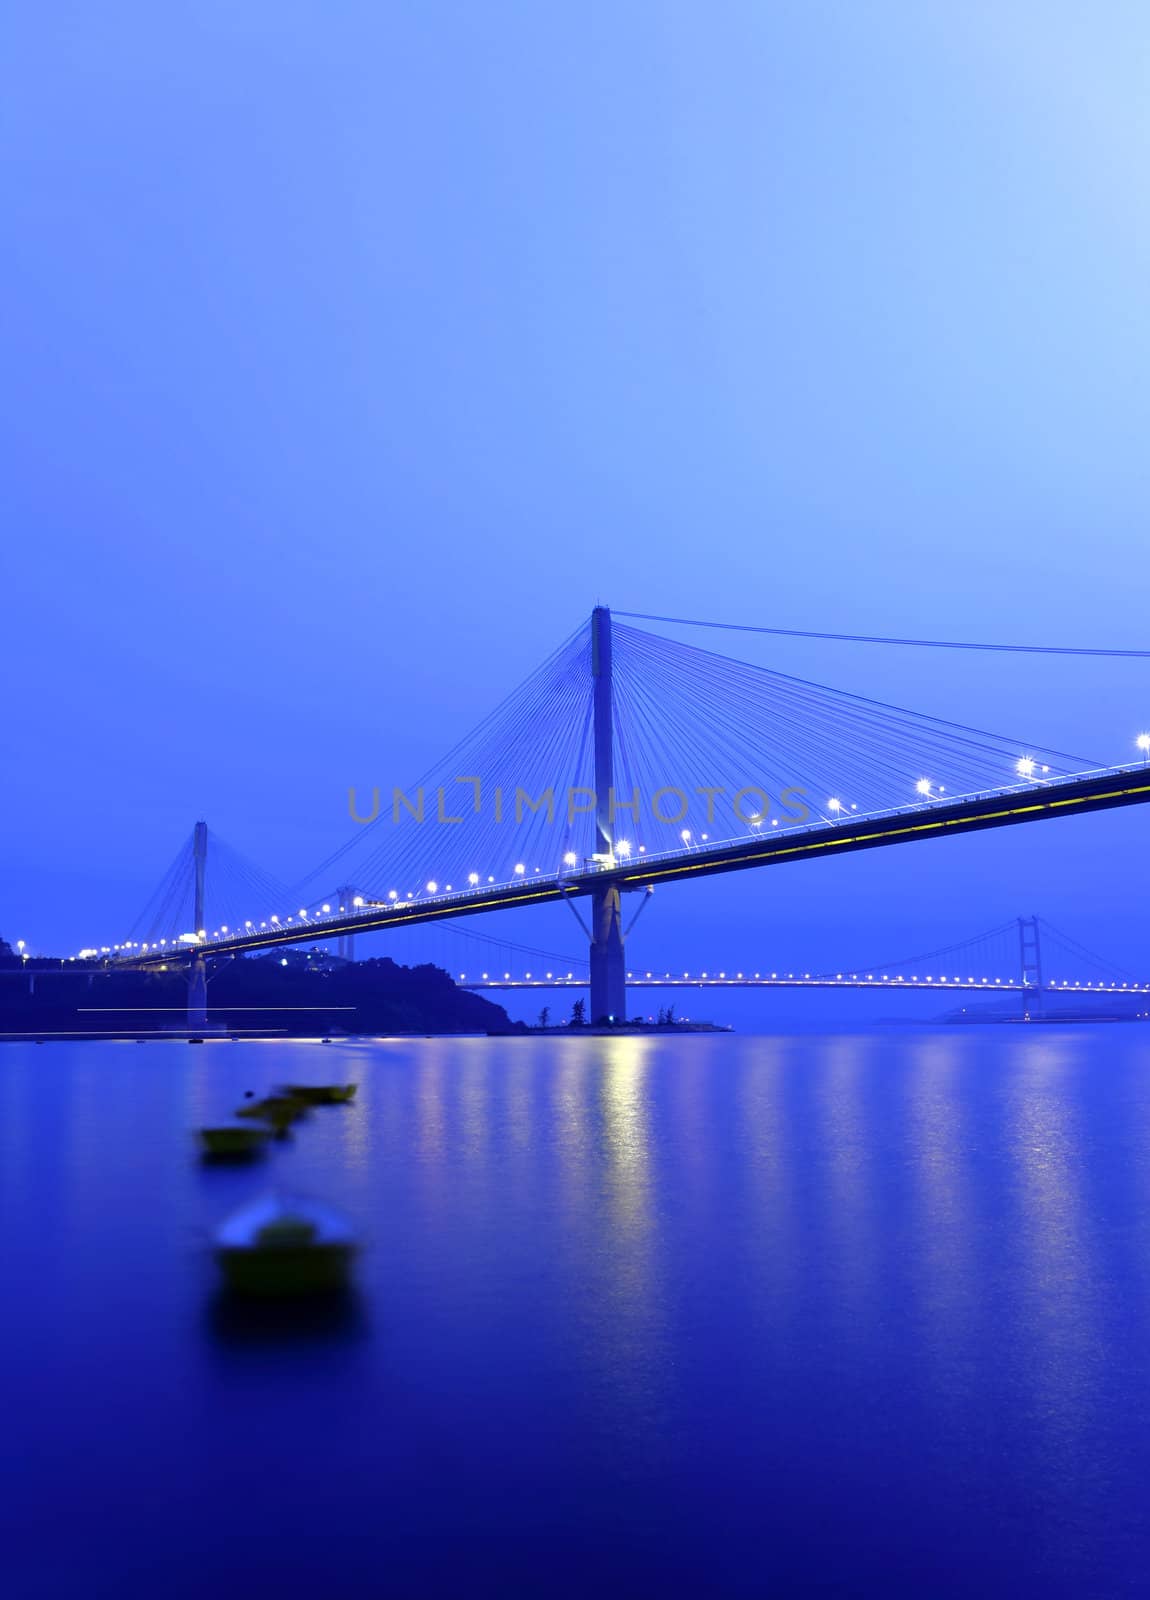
(671, 1305)
(945, 1273)
(1058, 1288)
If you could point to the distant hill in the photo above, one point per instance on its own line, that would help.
(296, 994)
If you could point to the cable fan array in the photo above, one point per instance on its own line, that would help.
(238, 892)
(705, 748)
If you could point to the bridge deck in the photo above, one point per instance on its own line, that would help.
(1020, 803)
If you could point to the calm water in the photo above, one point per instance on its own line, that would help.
(798, 1315)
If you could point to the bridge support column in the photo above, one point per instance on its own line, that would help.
(608, 967)
(345, 944)
(197, 995)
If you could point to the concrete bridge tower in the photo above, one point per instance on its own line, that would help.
(608, 966)
(197, 973)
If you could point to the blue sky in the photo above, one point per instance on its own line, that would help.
(354, 352)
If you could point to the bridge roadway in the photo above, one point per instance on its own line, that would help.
(1017, 803)
(888, 982)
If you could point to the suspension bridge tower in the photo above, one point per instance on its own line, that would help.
(1030, 967)
(608, 967)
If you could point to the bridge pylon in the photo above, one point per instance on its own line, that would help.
(199, 870)
(608, 965)
(1030, 967)
(197, 972)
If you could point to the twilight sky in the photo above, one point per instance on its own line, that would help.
(352, 352)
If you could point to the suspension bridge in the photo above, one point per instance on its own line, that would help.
(627, 761)
(1005, 959)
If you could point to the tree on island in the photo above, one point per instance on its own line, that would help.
(579, 1013)
(545, 1017)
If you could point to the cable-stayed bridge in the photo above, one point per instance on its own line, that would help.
(627, 761)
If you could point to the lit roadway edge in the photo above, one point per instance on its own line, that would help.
(890, 984)
(1098, 791)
